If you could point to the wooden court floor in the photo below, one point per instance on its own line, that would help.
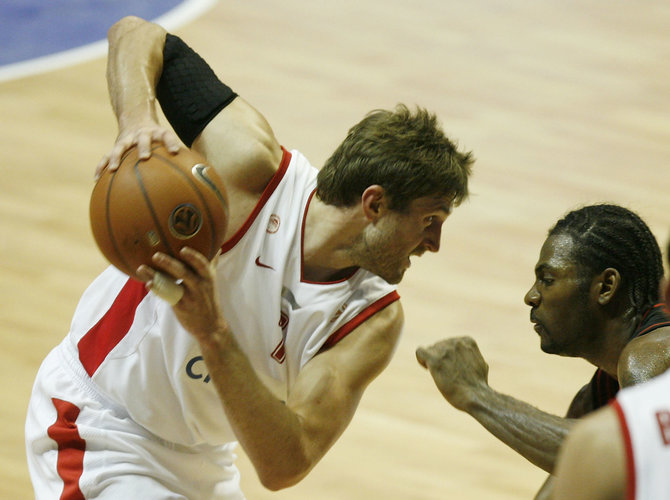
(562, 102)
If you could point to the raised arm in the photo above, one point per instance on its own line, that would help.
(147, 65)
(134, 66)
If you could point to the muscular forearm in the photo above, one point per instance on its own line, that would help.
(534, 434)
(134, 65)
(461, 375)
(270, 433)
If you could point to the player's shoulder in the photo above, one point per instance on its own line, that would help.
(390, 319)
(380, 329)
(240, 144)
(594, 435)
(367, 349)
(591, 463)
(655, 342)
(599, 424)
(645, 357)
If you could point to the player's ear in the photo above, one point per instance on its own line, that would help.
(373, 201)
(609, 281)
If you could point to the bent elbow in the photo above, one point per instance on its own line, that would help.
(280, 483)
(275, 480)
(123, 25)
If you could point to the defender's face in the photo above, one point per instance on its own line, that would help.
(396, 236)
(560, 301)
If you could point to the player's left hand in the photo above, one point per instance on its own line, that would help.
(198, 308)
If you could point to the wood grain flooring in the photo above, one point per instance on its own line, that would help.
(562, 102)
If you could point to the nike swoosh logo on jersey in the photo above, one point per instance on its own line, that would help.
(200, 172)
(260, 264)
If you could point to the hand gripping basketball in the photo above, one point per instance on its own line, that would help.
(159, 204)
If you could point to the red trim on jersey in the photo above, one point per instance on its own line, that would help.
(655, 325)
(663, 420)
(348, 327)
(628, 445)
(71, 447)
(267, 192)
(112, 327)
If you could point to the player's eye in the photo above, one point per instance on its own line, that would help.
(546, 280)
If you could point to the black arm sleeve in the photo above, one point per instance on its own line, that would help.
(188, 91)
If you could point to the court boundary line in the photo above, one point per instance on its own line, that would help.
(178, 16)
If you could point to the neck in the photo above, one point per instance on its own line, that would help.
(606, 351)
(329, 234)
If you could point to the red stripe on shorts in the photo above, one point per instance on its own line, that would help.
(71, 447)
(112, 327)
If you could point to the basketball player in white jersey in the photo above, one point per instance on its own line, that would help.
(623, 450)
(272, 344)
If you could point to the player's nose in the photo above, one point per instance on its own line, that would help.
(432, 239)
(532, 297)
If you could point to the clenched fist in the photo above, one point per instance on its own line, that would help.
(458, 369)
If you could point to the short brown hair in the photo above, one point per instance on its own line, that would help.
(406, 153)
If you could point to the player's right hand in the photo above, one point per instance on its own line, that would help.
(141, 136)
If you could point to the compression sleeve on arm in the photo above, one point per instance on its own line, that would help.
(189, 92)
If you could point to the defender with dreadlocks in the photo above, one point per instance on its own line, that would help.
(595, 296)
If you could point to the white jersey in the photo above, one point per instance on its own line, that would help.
(644, 414)
(127, 350)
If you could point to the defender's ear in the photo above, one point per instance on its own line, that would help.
(373, 201)
(609, 281)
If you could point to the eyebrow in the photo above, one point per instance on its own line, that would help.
(440, 206)
(447, 209)
(443, 207)
(542, 267)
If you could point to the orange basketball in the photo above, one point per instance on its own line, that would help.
(160, 204)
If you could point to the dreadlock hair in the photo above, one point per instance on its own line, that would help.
(612, 236)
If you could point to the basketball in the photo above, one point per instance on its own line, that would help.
(160, 204)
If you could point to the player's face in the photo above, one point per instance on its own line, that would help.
(394, 238)
(560, 302)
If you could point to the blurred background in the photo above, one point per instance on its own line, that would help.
(563, 103)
